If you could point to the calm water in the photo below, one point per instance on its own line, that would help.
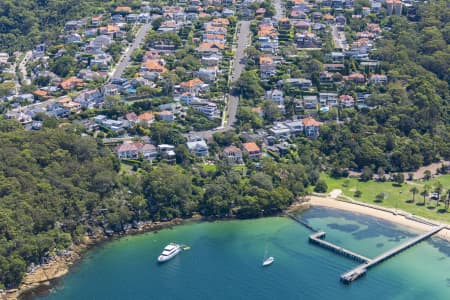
(225, 263)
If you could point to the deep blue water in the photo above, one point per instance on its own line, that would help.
(225, 263)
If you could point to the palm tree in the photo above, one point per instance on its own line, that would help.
(425, 192)
(414, 190)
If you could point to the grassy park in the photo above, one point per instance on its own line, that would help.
(396, 196)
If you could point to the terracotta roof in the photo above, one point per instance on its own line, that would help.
(311, 122)
(147, 116)
(154, 65)
(346, 98)
(123, 9)
(71, 83)
(129, 147)
(41, 93)
(191, 83)
(221, 21)
(131, 116)
(209, 46)
(265, 60)
(251, 147)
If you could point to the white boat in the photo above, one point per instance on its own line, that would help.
(268, 261)
(169, 252)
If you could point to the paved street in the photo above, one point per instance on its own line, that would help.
(242, 42)
(23, 68)
(279, 11)
(125, 59)
(339, 39)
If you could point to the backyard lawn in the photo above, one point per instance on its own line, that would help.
(395, 196)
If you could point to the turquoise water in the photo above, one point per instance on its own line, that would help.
(225, 263)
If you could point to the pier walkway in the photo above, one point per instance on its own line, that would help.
(317, 239)
(367, 263)
(361, 269)
(293, 217)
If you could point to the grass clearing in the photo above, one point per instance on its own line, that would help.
(395, 196)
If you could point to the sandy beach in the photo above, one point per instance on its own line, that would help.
(391, 215)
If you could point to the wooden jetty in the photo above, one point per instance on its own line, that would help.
(367, 263)
(361, 269)
(293, 217)
(317, 239)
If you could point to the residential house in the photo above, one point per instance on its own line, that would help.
(123, 9)
(302, 83)
(197, 146)
(209, 109)
(334, 67)
(72, 83)
(276, 96)
(128, 150)
(280, 131)
(252, 150)
(4, 58)
(195, 85)
(378, 79)
(166, 116)
(284, 23)
(326, 77)
(149, 151)
(168, 26)
(167, 151)
(295, 127)
(357, 78)
(346, 101)
(102, 60)
(232, 154)
(267, 67)
(210, 47)
(207, 74)
(307, 39)
(102, 41)
(214, 38)
(110, 90)
(153, 66)
(72, 38)
(146, 118)
(132, 18)
(211, 60)
(311, 127)
(302, 25)
(96, 21)
(310, 102)
(328, 99)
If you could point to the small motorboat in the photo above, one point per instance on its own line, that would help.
(268, 261)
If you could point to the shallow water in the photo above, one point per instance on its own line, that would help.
(225, 263)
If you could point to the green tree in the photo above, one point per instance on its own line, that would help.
(414, 190)
(249, 85)
(379, 197)
(425, 192)
(321, 186)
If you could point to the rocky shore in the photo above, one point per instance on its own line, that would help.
(59, 266)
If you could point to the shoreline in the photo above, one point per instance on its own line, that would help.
(45, 275)
(395, 216)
